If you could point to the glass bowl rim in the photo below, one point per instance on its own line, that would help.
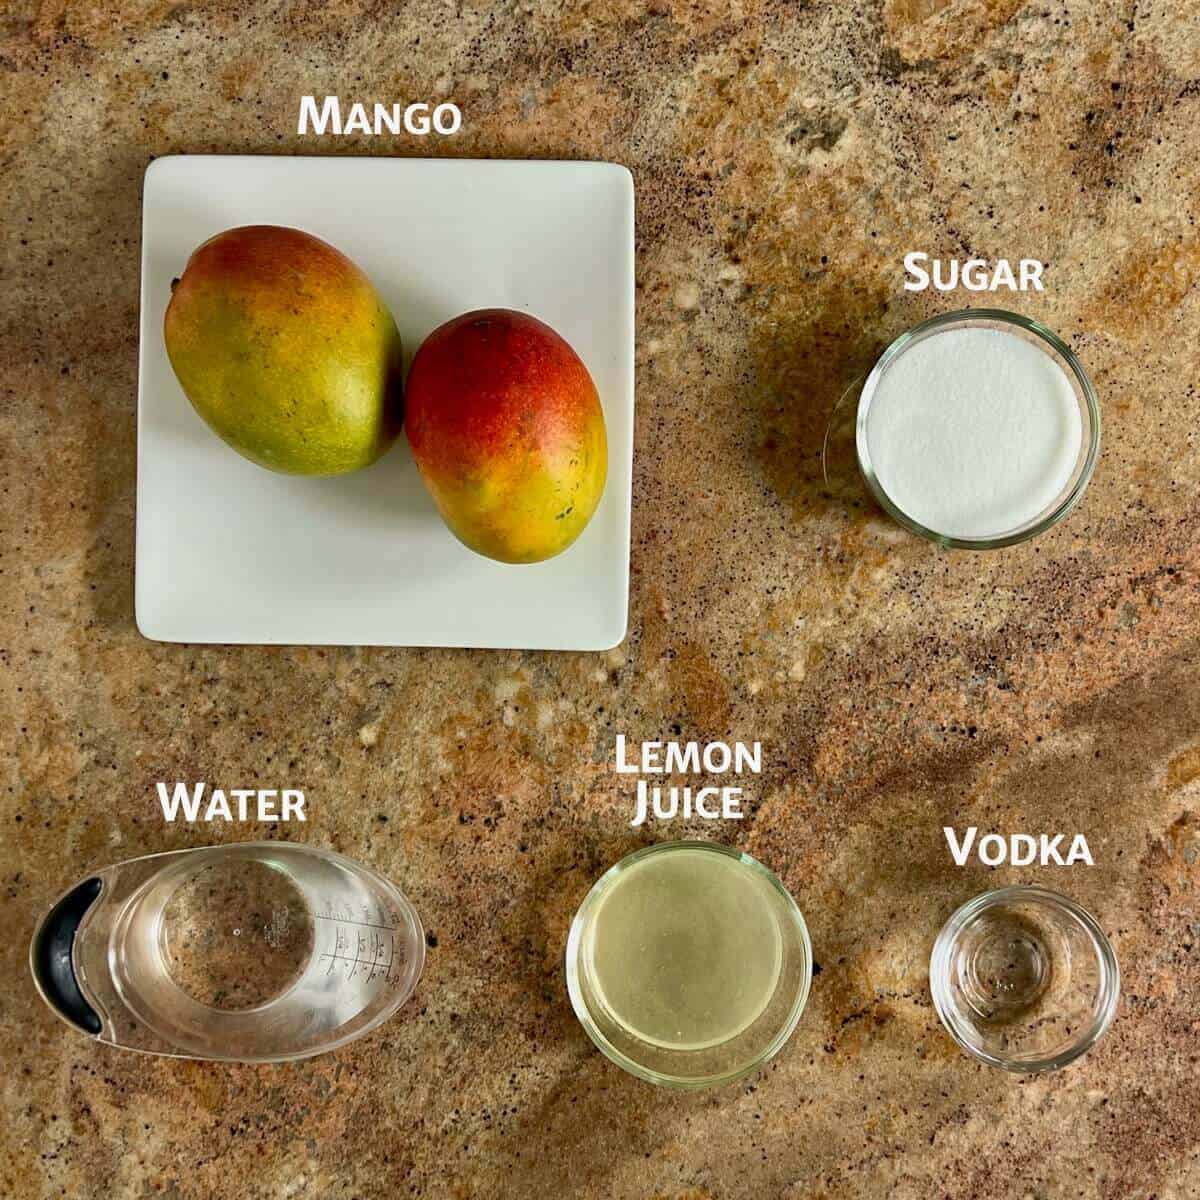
(965, 316)
(1110, 989)
(610, 1051)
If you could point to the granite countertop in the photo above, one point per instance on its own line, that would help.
(786, 156)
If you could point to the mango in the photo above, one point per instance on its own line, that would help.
(508, 433)
(285, 349)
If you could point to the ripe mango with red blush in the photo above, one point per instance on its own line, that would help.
(286, 350)
(507, 430)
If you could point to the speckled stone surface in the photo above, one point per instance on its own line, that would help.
(786, 156)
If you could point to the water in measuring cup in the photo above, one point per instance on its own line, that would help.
(236, 934)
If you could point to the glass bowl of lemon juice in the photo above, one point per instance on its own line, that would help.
(689, 964)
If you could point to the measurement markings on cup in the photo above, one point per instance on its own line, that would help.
(375, 955)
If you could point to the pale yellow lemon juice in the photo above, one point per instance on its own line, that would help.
(685, 950)
(688, 963)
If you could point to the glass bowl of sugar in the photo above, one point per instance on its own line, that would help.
(978, 429)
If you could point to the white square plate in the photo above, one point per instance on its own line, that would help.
(229, 552)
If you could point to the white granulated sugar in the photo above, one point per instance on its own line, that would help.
(973, 432)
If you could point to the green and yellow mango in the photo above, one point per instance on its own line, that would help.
(286, 350)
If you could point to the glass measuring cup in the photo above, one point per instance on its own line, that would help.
(253, 952)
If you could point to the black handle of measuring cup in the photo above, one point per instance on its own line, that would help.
(51, 957)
